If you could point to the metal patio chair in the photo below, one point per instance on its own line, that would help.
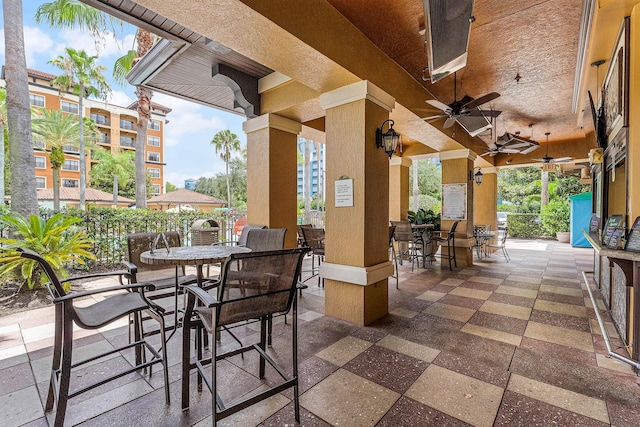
(270, 281)
(447, 238)
(129, 300)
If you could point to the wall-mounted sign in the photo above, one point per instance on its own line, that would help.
(454, 201)
(633, 240)
(614, 221)
(344, 192)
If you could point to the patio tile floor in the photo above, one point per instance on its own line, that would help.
(494, 344)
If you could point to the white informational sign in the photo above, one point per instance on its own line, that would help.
(344, 193)
(454, 201)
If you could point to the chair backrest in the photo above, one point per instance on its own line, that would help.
(300, 235)
(58, 289)
(314, 238)
(256, 284)
(503, 232)
(392, 229)
(242, 240)
(403, 231)
(452, 230)
(477, 229)
(137, 243)
(267, 239)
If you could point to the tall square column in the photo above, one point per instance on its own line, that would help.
(456, 168)
(399, 188)
(272, 149)
(485, 198)
(356, 264)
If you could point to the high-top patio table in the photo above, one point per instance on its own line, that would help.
(190, 255)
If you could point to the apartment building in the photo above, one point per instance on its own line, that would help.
(116, 124)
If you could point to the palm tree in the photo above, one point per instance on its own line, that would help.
(3, 124)
(75, 14)
(225, 142)
(23, 186)
(117, 165)
(80, 73)
(56, 130)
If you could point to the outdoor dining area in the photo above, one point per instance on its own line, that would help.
(501, 338)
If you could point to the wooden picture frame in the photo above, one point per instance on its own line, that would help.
(616, 83)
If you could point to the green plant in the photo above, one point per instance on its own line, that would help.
(56, 239)
(555, 216)
(422, 216)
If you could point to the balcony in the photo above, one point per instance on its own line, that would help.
(127, 142)
(100, 120)
(128, 125)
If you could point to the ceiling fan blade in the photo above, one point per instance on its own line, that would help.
(439, 116)
(562, 159)
(450, 121)
(482, 100)
(509, 151)
(488, 152)
(438, 104)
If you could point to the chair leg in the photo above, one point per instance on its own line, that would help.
(57, 356)
(65, 374)
(263, 338)
(294, 352)
(165, 360)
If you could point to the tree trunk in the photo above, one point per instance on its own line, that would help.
(115, 190)
(2, 154)
(56, 189)
(307, 181)
(227, 155)
(544, 196)
(145, 42)
(23, 185)
(144, 114)
(83, 155)
(415, 186)
(320, 194)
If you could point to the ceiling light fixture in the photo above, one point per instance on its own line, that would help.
(477, 176)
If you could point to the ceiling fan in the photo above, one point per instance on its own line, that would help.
(466, 111)
(511, 144)
(548, 159)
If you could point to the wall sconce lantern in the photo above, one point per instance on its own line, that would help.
(388, 140)
(477, 176)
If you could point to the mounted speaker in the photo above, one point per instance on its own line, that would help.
(447, 26)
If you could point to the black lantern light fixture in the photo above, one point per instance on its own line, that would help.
(388, 140)
(477, 176)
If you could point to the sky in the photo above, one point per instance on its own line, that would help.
(188, 149)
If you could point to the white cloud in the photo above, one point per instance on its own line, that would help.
(105, 47)
(36, 42)
(120, 98)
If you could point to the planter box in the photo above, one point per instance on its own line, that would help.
(563, 236)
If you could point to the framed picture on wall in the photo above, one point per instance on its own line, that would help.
(616, 82)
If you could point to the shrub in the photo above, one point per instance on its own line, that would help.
(57, 240)
(524, 225)
(556, 216)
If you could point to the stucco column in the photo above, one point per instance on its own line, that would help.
(356, 264)
(485, 198)
(272, 173)
(399, 188)
(456, 166)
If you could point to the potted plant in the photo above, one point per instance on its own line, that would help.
(427, 216)
(555, 218)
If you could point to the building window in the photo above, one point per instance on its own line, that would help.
(70, 183)
(154, 125)
(69, 107)
(154, 172)
(39, 144)
(41, 162)
(70, 149)
(155, 188)
(127, 141)
(105, 139)
(153, 141)
(127, 124)
(41, 182)
(99, 119)
(36, 100)
(153, 157)
(71, 165)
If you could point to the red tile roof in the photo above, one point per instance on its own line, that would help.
(185, 197)
(41, 74)
(90, 194)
